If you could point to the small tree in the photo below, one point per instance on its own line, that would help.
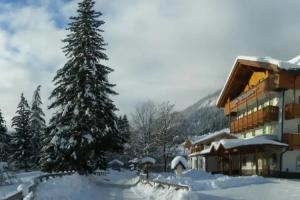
(4, 140)
(21, 143)
(37, 123)
(143, 124)
(166, 134)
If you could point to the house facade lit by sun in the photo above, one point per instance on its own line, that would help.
(261, 98)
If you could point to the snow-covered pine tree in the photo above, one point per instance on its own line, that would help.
(84, 125)
(21, 144)
(37, 123)
(3, 139)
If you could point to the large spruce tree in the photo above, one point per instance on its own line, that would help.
(37, 123)
(84, 123)
(4, 140)
(21, 144)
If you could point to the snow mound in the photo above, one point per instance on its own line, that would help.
(200, 180)
(155, 193)
(179, 160)
(146, 160)
(198, 174)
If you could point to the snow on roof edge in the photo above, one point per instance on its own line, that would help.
(116, 161)
(234, 143)
(211, 135)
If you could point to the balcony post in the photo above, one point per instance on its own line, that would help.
(247, 124)
(256, 161)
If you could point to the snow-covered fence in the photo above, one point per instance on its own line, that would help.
(32, 187)
(101, 173)
(163, 185)
(15, 196)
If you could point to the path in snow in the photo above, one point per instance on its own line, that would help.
(75, 187)
(113, 192)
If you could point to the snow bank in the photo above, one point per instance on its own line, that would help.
(177, 160)
(162, 194)
(200, 180)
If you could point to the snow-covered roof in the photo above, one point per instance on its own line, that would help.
(295, 60)
(116, 161)
(210, 136)
(148, 160)
(292, 64)
(179, 160)
(235, 143)
(134, 160)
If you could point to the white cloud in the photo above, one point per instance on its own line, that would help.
(162, 50)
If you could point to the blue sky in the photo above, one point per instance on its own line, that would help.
(171, 50)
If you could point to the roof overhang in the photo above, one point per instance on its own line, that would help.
(240, 73)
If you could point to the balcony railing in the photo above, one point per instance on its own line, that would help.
(266, 85)
(292, 111)
(197, 149)
(255, 119)
(292, 139)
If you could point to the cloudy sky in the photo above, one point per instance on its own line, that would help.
(163, 50)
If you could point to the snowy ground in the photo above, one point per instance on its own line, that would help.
(122, 185)
(115, 186)
(21, 178)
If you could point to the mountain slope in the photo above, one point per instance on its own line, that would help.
(204, 116)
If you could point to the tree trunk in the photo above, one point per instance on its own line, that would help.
(165, 157)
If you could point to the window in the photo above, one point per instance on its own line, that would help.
(264, 130)
(244, 161)
(298, 128)
(274, 159)
(298, 162)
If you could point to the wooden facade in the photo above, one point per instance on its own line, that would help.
(254, 119)
(246, 99)
(293, 140)
(292, 111)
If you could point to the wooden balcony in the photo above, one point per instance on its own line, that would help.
(292, 139)
(197, 149)
(268, 84)
(255, 119)
(292, 111)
